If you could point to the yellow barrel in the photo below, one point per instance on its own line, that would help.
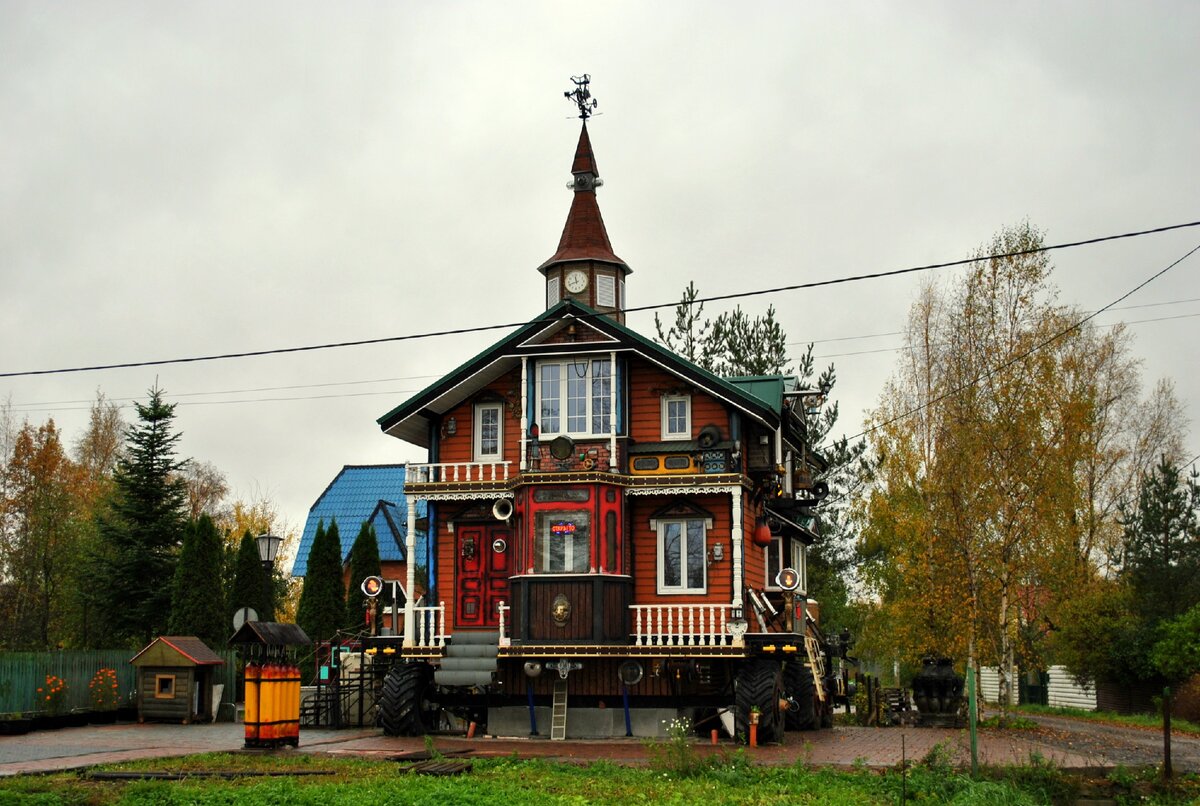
(253, 676)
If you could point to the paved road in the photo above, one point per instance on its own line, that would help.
(1065, 742)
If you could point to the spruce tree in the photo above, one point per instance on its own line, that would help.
(323, 599)
(141, 529)
(364, 562)
(197, 601)
(251, 582)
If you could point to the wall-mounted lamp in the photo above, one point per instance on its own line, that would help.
(716, 553)
(449, 427)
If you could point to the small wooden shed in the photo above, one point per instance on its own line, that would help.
(175, 679)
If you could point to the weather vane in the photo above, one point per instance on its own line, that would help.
(582, 96)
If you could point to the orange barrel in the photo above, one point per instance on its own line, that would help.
(268, 706)
(294, 672)
(252, 691)
(273, 718)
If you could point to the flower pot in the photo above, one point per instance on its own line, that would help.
(15, 727)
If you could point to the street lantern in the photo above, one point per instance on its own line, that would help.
(268, 547)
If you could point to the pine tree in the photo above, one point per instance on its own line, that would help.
(251, 582)
(323, 599)
(364, 562)
(141, 529)
(197, 601)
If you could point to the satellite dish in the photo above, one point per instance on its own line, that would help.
(242, 615)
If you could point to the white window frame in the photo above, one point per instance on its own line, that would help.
(798, 561)
(543, 522)
(686, 433)
(566, 373)
(477, 431)
(686, 586)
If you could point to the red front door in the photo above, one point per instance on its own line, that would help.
(482, 575)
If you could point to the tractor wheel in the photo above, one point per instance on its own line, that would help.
(403, 700)
(798, 683)
(759, 684)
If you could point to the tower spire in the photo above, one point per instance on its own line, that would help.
(585, 267)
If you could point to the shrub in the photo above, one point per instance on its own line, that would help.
(103, 690)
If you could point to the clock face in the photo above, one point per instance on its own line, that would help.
(576, 281)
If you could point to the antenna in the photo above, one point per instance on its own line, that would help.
(582, 96)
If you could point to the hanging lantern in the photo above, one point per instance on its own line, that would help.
(762, 533)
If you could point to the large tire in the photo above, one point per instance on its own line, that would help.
(759, 683)
(401, 702)
(798, 683)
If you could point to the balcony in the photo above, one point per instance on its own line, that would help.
(468, 475)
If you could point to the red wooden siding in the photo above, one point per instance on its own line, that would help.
(719, 574)
(648, 384)
(461, 446)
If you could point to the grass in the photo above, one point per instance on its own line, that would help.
(1152, 721)
(510, 782)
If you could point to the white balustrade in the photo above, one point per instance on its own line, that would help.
(431, 626)
(455, 472)
(681, 625)
(502, 609)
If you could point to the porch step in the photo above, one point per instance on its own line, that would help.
(558, 715)
(470, 660)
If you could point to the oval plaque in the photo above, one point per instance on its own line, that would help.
(560, 610)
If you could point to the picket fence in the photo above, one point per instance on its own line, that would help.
(21, 673)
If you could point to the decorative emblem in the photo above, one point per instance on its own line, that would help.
(582, 96)
(560, 610)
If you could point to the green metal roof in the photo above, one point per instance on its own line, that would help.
(767, 388)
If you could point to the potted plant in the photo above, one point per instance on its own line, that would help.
(51, 697)
(104, 693)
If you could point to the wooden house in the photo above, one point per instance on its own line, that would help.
(175, 679)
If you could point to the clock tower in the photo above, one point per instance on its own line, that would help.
(584, 268)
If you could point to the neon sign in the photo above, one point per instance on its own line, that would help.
(561, 528)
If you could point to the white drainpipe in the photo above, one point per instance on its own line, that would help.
(736, 537)
(410, 556)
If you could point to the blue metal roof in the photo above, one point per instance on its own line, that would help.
(358, 493)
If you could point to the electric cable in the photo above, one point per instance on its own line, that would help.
(505, 326)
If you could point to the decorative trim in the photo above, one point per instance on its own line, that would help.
(471, 496)
(697, 490)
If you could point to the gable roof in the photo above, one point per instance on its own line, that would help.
(177, 650)
(412, 420)
(358, 493)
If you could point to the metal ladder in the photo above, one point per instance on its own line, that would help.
(816, 662)
(558, 716)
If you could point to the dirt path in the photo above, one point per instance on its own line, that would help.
(1111, 745)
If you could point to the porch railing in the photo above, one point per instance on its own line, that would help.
(430, 626)
(451, 472)
(681, 625)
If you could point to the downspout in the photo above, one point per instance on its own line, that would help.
(736, 536)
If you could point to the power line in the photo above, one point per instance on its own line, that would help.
(485, 328)
(1023, 355)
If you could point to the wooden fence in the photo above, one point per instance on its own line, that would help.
(21, 673)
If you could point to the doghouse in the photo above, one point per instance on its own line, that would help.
(174, 679)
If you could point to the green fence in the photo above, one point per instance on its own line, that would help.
(22, 672)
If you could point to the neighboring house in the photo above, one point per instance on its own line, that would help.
(373, 494)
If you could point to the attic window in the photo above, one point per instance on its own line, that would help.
(489, 431)
(574, 397)
(676, 417)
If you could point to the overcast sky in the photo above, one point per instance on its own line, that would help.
(188, 179)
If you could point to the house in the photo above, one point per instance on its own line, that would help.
(601, 507)
(367, 494)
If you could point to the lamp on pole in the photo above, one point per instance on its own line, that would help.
(268, 547)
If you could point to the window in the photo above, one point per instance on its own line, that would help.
(562, 542)
(489, 431)
(778, 559)
(164, 686)
(606, 290)
(551, 292)
(676, 417)
(681, 556)
(574, 397)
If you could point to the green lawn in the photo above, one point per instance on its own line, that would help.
(675, 778)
